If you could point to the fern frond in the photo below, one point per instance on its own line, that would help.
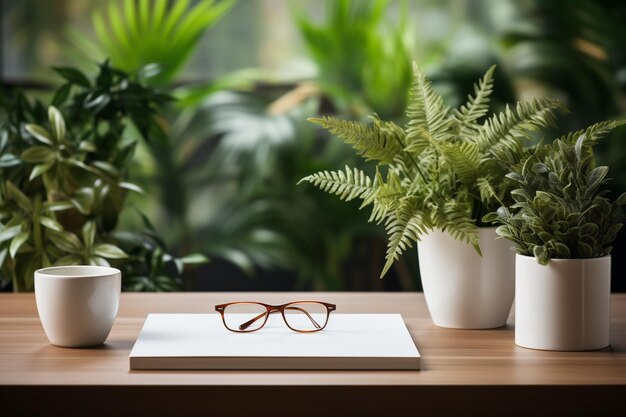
(426, 111)
(459, 223)
(348, 185)
(500, 135)
(486, 191)
(592, 133)
(463, 160)
(385, 196)
(404, 227)
(476, 107)
(380, 141)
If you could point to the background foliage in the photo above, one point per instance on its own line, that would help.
(223, 180)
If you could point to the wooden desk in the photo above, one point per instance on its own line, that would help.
(465, 372)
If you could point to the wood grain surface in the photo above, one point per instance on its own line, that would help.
(464, 372)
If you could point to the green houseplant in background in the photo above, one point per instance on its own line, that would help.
(363, 58)
(64, 169)
(563, 225)
(442, 173)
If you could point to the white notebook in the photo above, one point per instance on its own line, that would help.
(200, 341)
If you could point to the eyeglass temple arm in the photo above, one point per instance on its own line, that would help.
(307, 314)
(247, 324)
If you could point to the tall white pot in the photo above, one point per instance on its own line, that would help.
(462, 289)
(563, 305)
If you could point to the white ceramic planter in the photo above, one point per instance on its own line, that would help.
(563, 305)
(462, 289)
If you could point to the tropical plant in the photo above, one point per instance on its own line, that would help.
(134, 34)
(561, 209)
(244, 159)
(363, 58)
(444, 170)
(63, 173)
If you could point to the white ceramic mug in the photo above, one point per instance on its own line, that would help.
(77, 304)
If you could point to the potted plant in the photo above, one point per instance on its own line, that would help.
(64, 171)
(563, 225)
(434, 181)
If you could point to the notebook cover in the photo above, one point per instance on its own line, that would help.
(200, 341)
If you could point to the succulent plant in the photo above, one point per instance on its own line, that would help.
(561, 209)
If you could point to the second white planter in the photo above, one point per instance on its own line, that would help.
(462, 289)
(563, 305)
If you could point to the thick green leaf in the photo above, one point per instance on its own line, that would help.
(51, 224)
(596, 176)
(73, 76)
(17, 243)
(585, 250)
(61, 95)
(195, 258)
(98, 261)
(66, 241)
(106, 250)
(87, 146)
(58, 205)
(9, 233)
(57, 123)
(541, 254)
(37, 154)
(89, 234)
(39, 133)
(9, 160)
(130, 186)
(19, 197)
(38, 170)
(69, 260)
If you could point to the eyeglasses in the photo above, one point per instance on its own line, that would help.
(299, 316)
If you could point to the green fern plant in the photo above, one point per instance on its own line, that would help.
(561, 209)
(443, 170)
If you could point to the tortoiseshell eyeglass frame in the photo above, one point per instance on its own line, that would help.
(269, 309)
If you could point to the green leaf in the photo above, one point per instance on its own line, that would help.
(61, 95)
(9, 160)
(98, 261)
(51, 224)
(19, 197)
(17, 242)
(9, 233)
(39, 133)
(195, 258)
(58, 205)
(596, 176)
(106, 167)
(69, 260)
(130, 186)
(562, 250)
(87, 146)
(106, 250)
(3, 255)
(38, 170)
(66, 241)
(541, 254)
(73, 76)
(89, 234)
(36, 154)
(585, 250)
